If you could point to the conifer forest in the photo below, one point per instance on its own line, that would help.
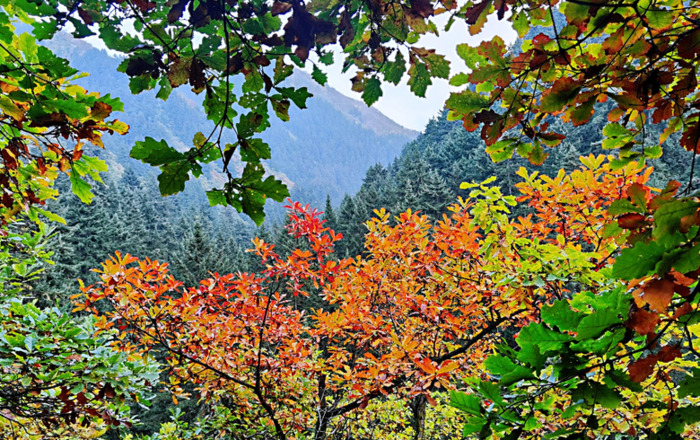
(201, 239)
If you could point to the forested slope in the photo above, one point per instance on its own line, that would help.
(428, 173)
(324, 149)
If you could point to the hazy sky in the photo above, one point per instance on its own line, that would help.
(398, 102)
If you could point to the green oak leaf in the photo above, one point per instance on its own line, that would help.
(468, 403)
(596, 323)
(419, 79)
(81, 188)
(372, 92)
(559, 314)
(155, 153)
(173, 177)
(637, 261)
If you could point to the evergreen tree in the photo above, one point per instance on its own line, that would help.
(350, 225)
(329, 215)
(202, 255)
(435, 195)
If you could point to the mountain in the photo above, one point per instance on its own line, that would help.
(427, 174)
(323, 150)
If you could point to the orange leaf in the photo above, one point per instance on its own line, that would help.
(643, 322)
(426, 365)
(658, 294)
(682, 310)
(448, 367)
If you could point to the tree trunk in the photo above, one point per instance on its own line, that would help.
(417, 406)
(322, 416)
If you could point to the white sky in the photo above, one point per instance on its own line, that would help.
(398, 102)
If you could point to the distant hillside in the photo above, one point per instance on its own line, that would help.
(323, 150)
(427, 174)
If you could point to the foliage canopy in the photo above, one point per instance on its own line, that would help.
(599, 281)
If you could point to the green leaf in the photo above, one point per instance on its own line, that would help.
(91, 166)
(27, 45)
(473, 425)
(530, 354)
(173, 177)
(281, 108)
(668, 217)
(490, 391)
(439, 66)
(601, 345)
(562, 92)
(682, 417)
(155, 153)
(659, 18)
(81, 188)
(521, 24)
(508, 371)
(467, 102)
(470, 55)
(545, 339)
(250, 192)
(393, 71)
(624, 206)
(622, 379)
(419, 79)
(596, 323)
(253, 82)
(690, 385)
(502, 150)
(298, 96)
(319, 76)
(253, 150)
(689, 260)
(468, 403)
(372, 92)
(605, 397)
(459, 79)
(560, 314)
(216, 197)
(638, 261)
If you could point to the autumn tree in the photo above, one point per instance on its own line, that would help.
(420, 310)
(600, 329)
(56, 378)
(620, 359)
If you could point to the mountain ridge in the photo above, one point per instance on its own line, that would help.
(323, 150)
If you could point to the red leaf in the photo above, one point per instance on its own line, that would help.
(280, 8)
(486, 116)
(87, 18)
(81, 398)
(691, 138)
(669, 353)
(682, 310)
(631, 221)
(689, 46)
(109, 391)
(422, 8)
(473, 13)
(643, 322)
(642, 368)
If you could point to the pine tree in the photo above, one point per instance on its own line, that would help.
(199, 256)
(329, 215)
(435, 195)
(350, 225)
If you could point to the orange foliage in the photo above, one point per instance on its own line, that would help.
(419, 309)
